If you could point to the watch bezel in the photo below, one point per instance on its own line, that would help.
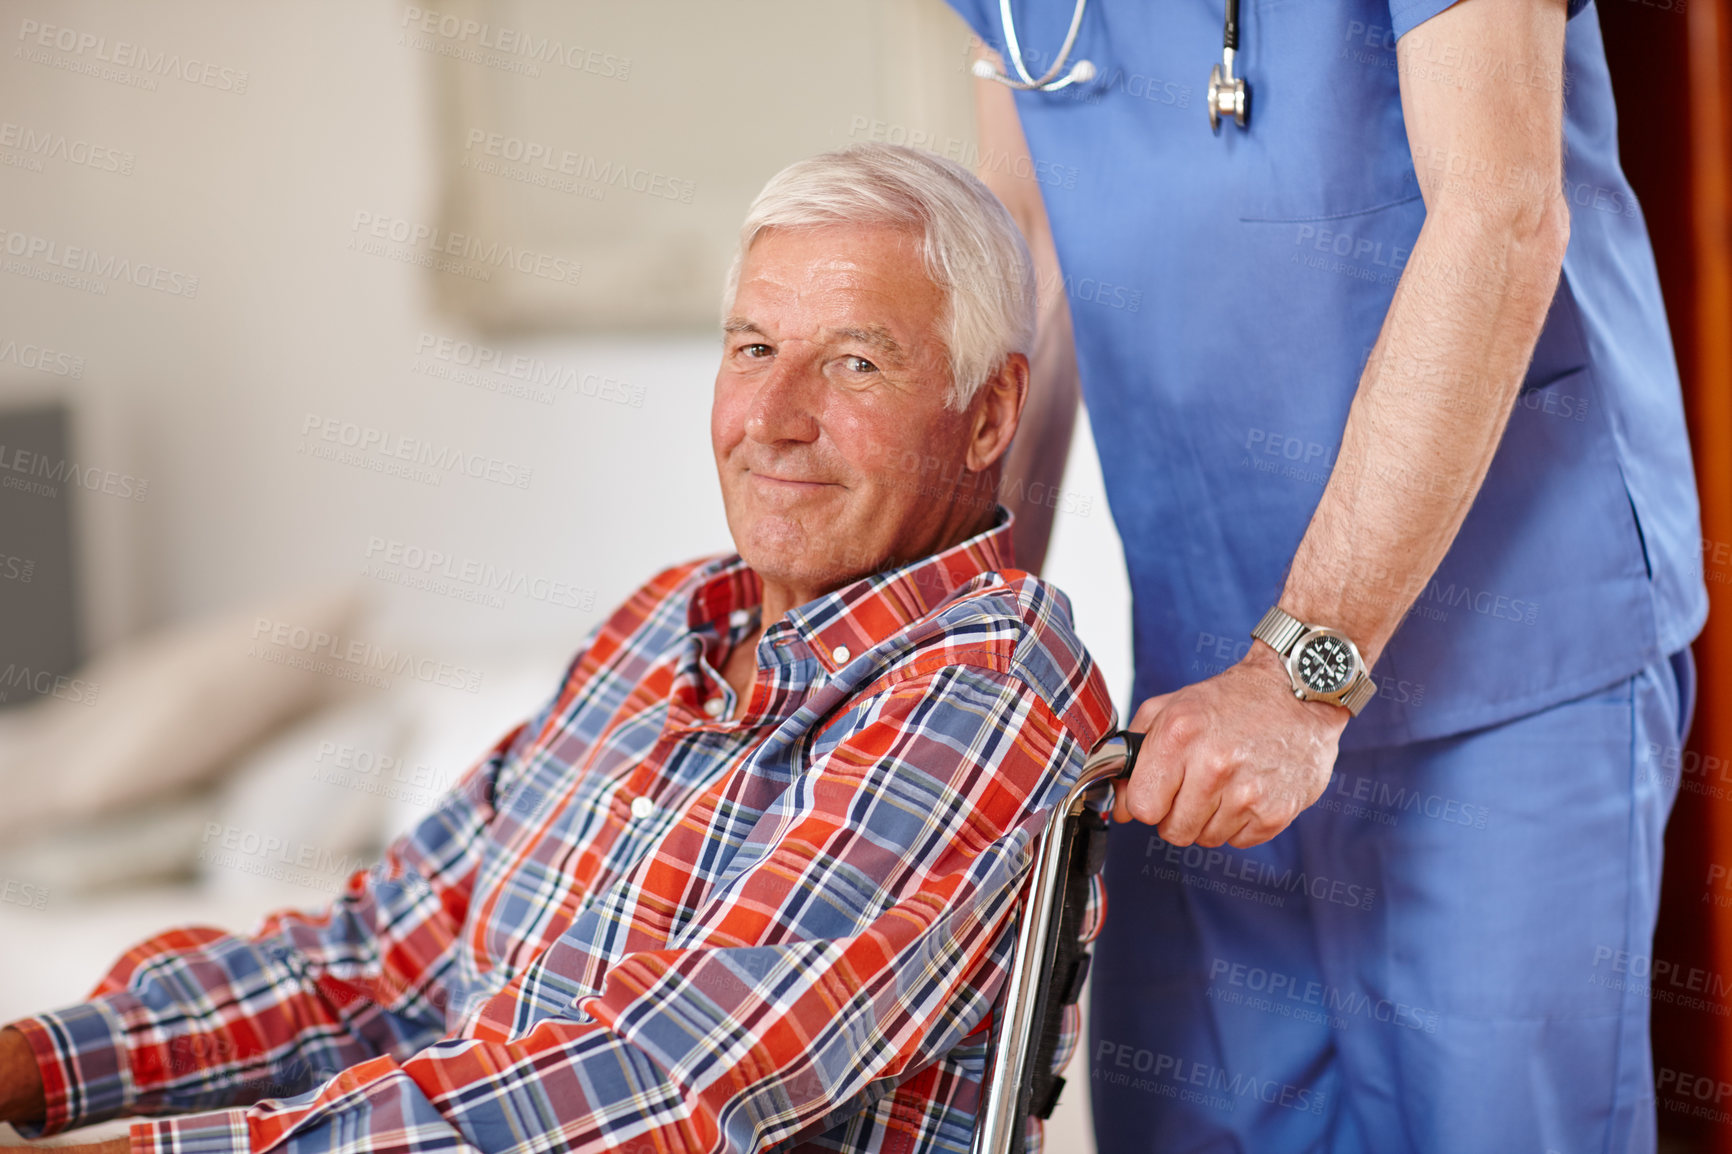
(1303, 691)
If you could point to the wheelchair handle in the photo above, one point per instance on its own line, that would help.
(1001, 1115)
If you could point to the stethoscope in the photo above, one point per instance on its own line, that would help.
(1228, 95)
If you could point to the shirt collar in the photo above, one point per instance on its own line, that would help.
(848, 621)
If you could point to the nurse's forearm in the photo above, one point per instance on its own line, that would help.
(1431, 408)
(1442, 378)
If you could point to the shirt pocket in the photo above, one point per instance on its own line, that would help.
(1327, 137)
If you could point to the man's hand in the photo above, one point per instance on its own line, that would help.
(111, 1146)
(21, 1097)
(20, 1081)
(1233, 759)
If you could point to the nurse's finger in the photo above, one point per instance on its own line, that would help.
(1147, 712)
(1121, 806)
(1159, 766)
(1253, 833)
(1157, 775)
(1226, 822)
(1191, 812)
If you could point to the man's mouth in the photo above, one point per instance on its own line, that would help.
(791, 483)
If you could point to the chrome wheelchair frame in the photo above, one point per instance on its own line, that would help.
(1070, 851)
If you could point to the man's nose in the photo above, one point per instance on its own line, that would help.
(783, 407)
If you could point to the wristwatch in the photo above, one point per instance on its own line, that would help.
(1323, 664)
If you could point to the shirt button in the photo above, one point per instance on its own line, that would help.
(714, 706)
(739, 617)
(841, 654)
(642, 807)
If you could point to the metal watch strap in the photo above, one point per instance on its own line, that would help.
(1361, 691)
(1281, 630)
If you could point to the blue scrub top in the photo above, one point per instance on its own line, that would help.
(1227, 290)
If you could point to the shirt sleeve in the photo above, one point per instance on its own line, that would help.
(861, 932)
(1406, 15)
(980, 21)
(196, 1018)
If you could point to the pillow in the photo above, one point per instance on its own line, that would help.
(153, 842)
(304, 812)
(166, 712)
(453, 731)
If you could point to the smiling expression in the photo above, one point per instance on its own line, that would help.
(837, 455)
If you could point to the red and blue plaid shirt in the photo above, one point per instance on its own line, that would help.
(653, 918)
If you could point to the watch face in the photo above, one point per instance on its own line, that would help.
(1324, 664)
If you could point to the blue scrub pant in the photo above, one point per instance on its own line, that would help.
(1448, 952)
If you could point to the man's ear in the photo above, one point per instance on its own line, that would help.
(995, 411)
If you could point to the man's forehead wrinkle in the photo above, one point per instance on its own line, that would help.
(876, 335)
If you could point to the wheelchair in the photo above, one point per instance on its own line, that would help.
(1051, 961)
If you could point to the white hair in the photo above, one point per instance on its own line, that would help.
(971, 247)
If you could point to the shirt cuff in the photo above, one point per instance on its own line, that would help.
(81, 1054)
(219, 1132)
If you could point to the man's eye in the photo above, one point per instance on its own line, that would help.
(758, 349)
(859, 365)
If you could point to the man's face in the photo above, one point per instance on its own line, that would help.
(829, 408)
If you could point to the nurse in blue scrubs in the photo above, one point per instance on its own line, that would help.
(1383, 376)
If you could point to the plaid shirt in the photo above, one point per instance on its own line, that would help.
(650, 919)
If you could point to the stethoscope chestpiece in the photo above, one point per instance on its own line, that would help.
(1228, 96)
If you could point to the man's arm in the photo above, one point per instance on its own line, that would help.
(864, 934)
(197, 1018)
(20, 1080)
(1237, 757)
(1034, 465)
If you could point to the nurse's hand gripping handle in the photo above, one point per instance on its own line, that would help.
(1047, 971)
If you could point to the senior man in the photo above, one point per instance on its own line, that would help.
(748, 878)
